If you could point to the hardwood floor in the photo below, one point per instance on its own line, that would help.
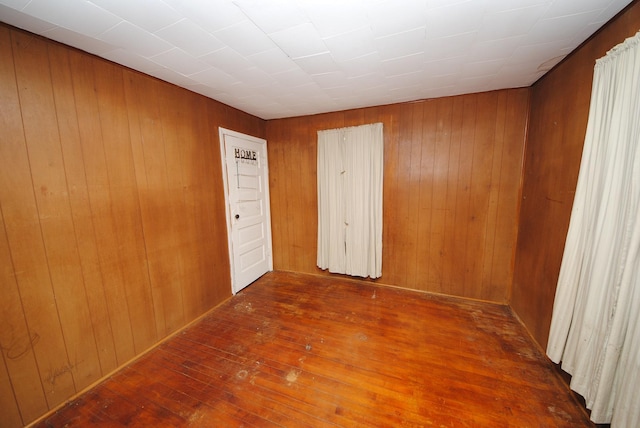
(304, 351)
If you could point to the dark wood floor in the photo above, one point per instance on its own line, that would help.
(302, 351)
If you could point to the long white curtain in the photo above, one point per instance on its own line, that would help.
(350, 165)
(595, 328)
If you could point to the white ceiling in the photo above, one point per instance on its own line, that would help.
(283, 58)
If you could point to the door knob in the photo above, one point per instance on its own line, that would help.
(237, 216)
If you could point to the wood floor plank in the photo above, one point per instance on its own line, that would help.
(309, 351)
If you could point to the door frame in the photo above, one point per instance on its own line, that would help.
(227, 205)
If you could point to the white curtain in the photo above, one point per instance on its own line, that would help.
(595, 328)
(350, 200)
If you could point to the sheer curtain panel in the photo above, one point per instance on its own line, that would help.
(350, 164)
(595, 327)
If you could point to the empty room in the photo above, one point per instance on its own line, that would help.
(310, 213)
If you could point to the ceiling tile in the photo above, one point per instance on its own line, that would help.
(287, 97)
(190, 37)
(245, 38)
(214, 78)
(15, 4)
(271, 90)
(475, 84)
(24, 21)
(254, 77)
(510, 23)
(442, 81)
(330, 80)
(495, 49)
(343, 96)
(497, 6)
(561, 8)
(332, 21)
(316, 64)
(241, 90)
(168, 75)
(210, 15)
(272, 16)
(550, 63)
(366, 82)
(256, 99)
(292, 78)
(362, 65)
(458, 18)
(536, 55)
(352, 44)
(482, 68)
(180, 61)
(508, 78)
(560, 28)
(584, 33)
(449, 47)
(299, 41)
(407, 79)
(612, 9)
(129, 37)
(227, 60)
(86, 43)
(403, 94)
(138, 12)
(205, 90)
(272, 61)
(401, 44)
(65, 13)
(388, 18)
(399, 66)
(445, 66)
(226, 98)
(134, 61)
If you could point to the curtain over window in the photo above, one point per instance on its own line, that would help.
(350, 200)
(595, 328)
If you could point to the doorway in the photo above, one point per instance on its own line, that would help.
(246, 182)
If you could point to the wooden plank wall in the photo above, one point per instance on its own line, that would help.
(559, 112)
(451, 190)
(113, 232)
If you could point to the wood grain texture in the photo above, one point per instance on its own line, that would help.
(452, 169)
(309, 351)
(25, 399)
(26, 233)
(113, 230)
(559, 113)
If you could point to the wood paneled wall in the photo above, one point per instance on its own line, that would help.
(452, 180)
(559, 111)
(112, 230)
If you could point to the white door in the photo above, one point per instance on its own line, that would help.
(246, 178)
